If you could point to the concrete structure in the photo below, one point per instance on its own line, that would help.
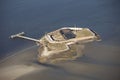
(62, 44)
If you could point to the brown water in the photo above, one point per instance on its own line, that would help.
(100, 62)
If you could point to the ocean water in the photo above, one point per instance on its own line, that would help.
(36, 17)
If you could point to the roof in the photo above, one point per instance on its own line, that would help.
(67, 34)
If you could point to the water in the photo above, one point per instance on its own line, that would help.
(36, 17)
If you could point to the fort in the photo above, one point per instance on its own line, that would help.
(66, 43)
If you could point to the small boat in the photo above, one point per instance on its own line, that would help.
(63, 44)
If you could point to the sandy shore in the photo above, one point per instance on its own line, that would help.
(101, 62)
